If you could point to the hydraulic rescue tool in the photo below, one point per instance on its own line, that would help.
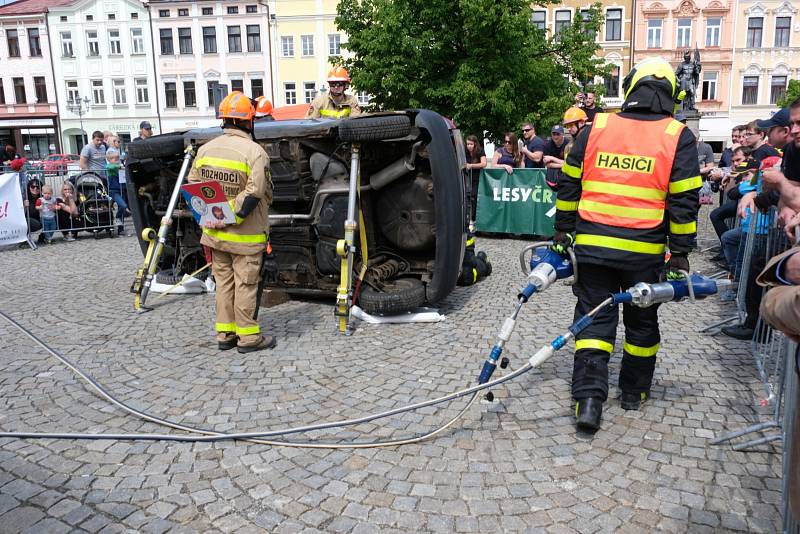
(346, 247)
(546, 269)
(146, 273)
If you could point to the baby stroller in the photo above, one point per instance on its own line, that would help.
(95, 204)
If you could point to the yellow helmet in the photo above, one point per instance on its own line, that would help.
(654, 71)
(574, 114)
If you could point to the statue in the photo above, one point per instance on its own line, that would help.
(687, 77)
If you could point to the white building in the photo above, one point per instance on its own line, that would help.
(199, 44)
(102, 57)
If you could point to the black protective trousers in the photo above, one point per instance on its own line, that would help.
(595, 344)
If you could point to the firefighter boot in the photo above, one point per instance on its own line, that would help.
(228, 343)
(267, 342)
(588, 413)
(632, 401)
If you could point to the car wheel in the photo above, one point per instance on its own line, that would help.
(160, 146)
(374, 128)
(399, 296)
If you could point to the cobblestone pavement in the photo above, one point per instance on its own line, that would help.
(514, 465)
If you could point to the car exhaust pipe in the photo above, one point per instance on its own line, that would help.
(402, 166)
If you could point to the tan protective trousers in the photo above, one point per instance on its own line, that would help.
(236, 276)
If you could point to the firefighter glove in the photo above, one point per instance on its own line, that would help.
(677, 263)
(269, 268)
(561, 242)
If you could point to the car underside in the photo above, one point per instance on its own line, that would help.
(412, 198)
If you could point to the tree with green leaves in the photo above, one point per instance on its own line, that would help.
(480, 62)
(792, 93)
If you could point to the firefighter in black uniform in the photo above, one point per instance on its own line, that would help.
(629, 190)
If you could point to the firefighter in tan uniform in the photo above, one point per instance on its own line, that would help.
(239, 165)
(335, 103)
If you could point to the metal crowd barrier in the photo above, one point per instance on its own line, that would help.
(791, 444)
(94, 208)
(769, 347)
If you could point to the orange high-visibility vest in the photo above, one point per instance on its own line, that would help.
(626, 171)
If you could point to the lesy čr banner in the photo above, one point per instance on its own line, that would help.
(13, 226)
(517, 203)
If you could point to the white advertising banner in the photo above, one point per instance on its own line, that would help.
(13, 226)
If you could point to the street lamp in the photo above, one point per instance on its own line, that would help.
(80, 108)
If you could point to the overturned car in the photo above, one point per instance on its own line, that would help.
(412, 196)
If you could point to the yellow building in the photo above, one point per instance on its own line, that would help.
(306, 38)
(614, 37)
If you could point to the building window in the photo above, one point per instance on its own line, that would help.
(72, 91)
(92, 44)
(563, 19)
(114, 43)
(307, 45)
(183, 12)
(119, 92)
(142, 92)
(755, 28)
(611, 83)
(253, 38)
(2, 92)
(63, 18)
(290, 93)
(309, 91)
(40, 86)
(89, 18)
(750, 90)
(709, 86)
(208, 11)
(163, 13)
(256, 87)
(13, 43)
(287, 46)
(185, 40)
(583, 15)
(233, 10)
(165, 35)
(19, 90)
(713, 29)
(210, 89)
(684, 33)
(362, 97)
(112, 16)
(98, 94)
(189, 95)
(137, 41)
(654, 33)
(777, 89)
(134, 16)
(34, 42)
(614, 25)
(237, 85)
(234, 38)
(209, 40)
(171, 94)
(782, 25)
(251, 9)
(66, 44)
(334, 44)
(539, 19)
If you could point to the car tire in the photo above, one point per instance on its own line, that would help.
(160, 146)
(402, 295)
(374, 128)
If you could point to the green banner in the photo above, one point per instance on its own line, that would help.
(517, 203)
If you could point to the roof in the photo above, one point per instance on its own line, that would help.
(31, 7)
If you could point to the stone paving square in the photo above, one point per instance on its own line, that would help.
(515, 465)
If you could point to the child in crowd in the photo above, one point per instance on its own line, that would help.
(47, 206)
(114, 186)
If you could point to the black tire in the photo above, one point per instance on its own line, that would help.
(400, 296)
(168, 277)
(374, 128)
(159, 146)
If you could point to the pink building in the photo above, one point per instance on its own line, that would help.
(667, 28)
(28, 107)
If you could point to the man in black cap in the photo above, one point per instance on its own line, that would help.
(145, 131)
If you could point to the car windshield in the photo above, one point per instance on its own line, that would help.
(53, 158)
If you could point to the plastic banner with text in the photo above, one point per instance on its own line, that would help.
(516, 203)
(13, 226)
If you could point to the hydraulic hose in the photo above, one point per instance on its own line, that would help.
(208, 435)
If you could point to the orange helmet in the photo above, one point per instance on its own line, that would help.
(338, 74)
(263, 106)
(574, 114)
(236, 106)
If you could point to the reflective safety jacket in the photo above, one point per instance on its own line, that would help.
(240, 165)
(630, 188)
(324, 107)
